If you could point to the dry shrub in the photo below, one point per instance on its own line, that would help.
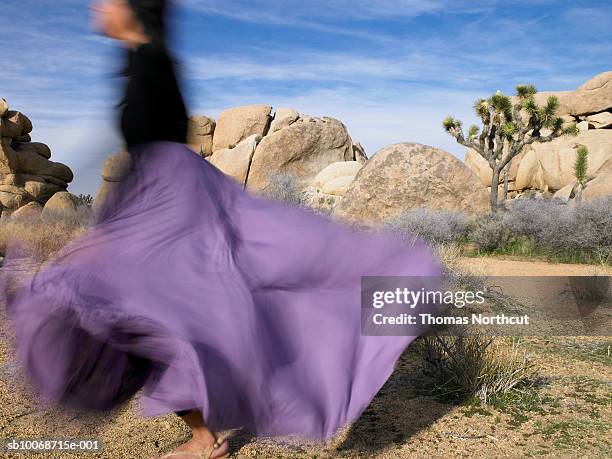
(40, 237)
(284, 187)
(475, 366)
(434, 226)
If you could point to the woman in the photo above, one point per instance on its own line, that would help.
(229, 309)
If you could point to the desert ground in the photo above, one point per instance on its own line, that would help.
(567, 414)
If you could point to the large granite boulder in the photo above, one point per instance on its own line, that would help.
(302, 149)
(236, 124)
(30, 210)
(556, 159)
(283, 118)
(407, 176)
(200, 133)
(116, 167)
(29, 161)
(601, 185)
(236, 161)
(594, 96)
(529, 173)
(61, 203)
(15, 124)
(334, 172)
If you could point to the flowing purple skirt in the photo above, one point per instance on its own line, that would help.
(206, 296)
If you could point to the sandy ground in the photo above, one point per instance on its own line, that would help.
(568, 415)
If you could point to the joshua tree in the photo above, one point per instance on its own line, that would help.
(508, 128)
(580, 171)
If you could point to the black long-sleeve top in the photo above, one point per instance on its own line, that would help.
(153, 108)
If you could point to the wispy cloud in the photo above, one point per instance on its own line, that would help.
(389, 69)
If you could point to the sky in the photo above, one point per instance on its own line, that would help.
(390, 70)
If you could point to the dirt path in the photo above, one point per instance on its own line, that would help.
(507, 266)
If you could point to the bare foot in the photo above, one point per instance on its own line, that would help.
(195, 447)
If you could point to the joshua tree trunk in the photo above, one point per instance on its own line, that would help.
(494, 191)
(506, 174)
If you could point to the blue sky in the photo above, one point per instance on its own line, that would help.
(391, 70)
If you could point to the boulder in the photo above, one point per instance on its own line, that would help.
(359, 153)
(601, 120)
(116, 167)
(15, 124)
(4, 107)
(601, 185)
(55, 181)
(105, 192)
(61, 202)
(334, 171)
(479, 166)
(200, 134)
(302, 149)
(39, 148)
(236, 124)
(283, 118)
(24, 138)
(11, 179)
(557, 158)
(565, 193)
(8, 157)
(594, 96)
(337, 186)
(41, 192)
(583, 126)
(30, 210)
(235, 162)
(13, 197)
(30, 162)
(409, 175)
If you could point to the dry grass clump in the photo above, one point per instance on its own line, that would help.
(475, 366)
(284, 187)
(40, 237)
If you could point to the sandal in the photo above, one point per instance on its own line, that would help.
(219, 450)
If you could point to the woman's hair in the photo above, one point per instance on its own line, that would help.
(152, 15)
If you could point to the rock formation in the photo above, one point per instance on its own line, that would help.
(408, 176)
(251, 145)
(549, 167)
(27, 174)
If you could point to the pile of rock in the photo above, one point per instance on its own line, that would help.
(28, 178)
(252, 144)
(549, 167)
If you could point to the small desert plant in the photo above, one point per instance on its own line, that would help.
(85, 200)
(474, 366)
(508, 128)
(439, 227)
(284, 187)
(580, 171)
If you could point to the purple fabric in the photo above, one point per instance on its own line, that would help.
(207, 296)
